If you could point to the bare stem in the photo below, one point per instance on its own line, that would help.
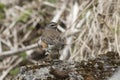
(17, 51)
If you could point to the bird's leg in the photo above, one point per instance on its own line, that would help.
(47, 49)
(58, 51)
(39, 42)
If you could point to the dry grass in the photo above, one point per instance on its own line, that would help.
(98, 23)
(93, 26)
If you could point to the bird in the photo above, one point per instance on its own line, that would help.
(51, 36)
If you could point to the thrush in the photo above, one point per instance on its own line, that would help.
(50, 36)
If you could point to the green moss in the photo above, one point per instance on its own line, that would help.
(2, 6)
(2, 15)
(14, 71)
(25, 16)
(2, 12)
(52, 1)
(23, 55)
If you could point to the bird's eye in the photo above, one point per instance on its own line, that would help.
(53, 24)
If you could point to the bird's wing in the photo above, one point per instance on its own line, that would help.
(49, 36)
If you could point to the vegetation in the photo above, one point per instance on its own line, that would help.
(91, 27)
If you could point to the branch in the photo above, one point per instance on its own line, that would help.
(17, 51)
(10, 68)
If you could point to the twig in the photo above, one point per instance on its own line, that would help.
(59, 13)
(17, 51)
(7, 43)
(10, 62)
(49, 4)
(15, 38)
(10, 68)
(0, 46)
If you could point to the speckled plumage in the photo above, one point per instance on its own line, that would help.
(51, 36)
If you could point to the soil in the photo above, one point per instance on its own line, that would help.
(100, 68)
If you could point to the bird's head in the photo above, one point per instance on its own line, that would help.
(52, 25)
